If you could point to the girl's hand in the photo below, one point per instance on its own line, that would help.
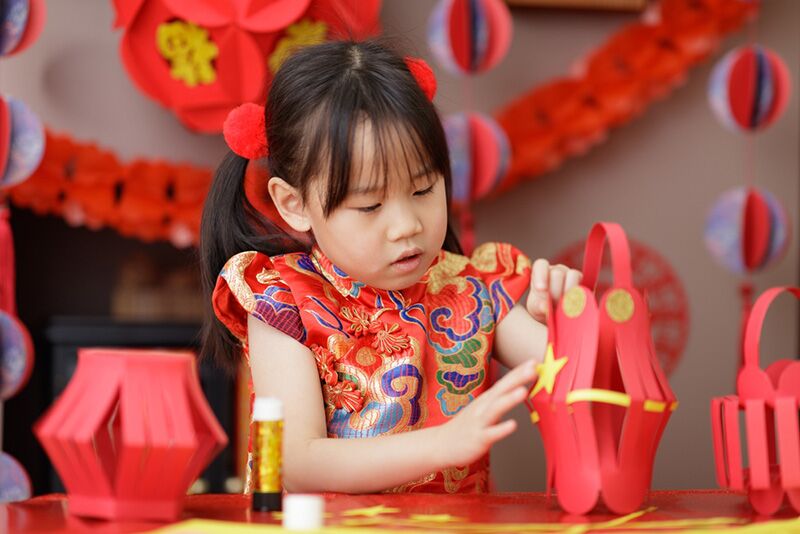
(549, 282)
(470, 434)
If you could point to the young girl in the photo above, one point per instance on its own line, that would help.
(359, 310)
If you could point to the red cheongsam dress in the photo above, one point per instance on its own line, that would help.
(388, 361)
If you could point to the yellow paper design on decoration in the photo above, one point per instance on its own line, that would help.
(574, 302)
(372, 511)
(446, 272)
(617, 398)
(619, 305)
(304, 33)
(189, 52)
(548, 371)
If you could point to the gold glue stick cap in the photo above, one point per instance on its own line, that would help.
(267, 409)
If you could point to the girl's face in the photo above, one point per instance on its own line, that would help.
(385, 237)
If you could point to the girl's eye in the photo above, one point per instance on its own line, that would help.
(369, 209)
(425, 191)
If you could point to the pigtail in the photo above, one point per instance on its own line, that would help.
(230, 225)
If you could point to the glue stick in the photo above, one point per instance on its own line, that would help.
(267, 454)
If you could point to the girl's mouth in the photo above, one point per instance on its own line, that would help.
(408, 262)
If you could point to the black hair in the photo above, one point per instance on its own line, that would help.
(315, 103)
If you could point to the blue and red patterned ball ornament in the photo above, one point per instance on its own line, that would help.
(747, 229)
(479, 155)
(749, 88)
(21, 142)
(21, 22)
(469, 36)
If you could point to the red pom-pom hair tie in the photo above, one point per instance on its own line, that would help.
(245, 131)
(423, 74)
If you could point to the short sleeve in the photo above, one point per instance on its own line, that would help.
(249, 284)
(506, 272)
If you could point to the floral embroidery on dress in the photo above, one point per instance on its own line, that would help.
(344, 394)
(361, 320)
(325, 360)
(389, 339)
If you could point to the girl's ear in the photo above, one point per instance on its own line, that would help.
(289, 203)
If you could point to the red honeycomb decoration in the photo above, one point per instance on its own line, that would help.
(130, 433)
(602, 400)
(768, 402)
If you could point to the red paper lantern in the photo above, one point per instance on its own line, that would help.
(130, 433)
(601, 401)
(768, 402)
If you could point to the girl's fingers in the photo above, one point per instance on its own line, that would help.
(574, 278)
(558, 275)
(541, 275)
(518, 376)
(504, 403)
(501, 430)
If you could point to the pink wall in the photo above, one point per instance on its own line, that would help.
(656, 176)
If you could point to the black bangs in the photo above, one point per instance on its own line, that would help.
(373, 120)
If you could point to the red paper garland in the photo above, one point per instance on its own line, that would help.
(643, 61)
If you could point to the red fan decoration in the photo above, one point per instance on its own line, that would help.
(768, 401)
(130, 433)
(601, 401)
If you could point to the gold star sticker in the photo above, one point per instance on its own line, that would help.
(370, 512)
(548, 371)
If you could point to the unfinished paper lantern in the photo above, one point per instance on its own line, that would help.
(130, 433)
(601, 401)
(747, 229)
(767, 402)
(662, 289)
(469, 36)
(749, 88)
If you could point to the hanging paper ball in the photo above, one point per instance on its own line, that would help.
(21, 142)
(747, 229)
(749, 88)
(15, 485)
(479, 155)
(16, 356)
(21, 23)
(469, 36)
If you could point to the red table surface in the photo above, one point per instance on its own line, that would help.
(49, 513)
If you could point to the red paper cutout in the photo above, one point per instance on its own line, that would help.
(246, 33)
(605, 401)
(130, 433)
(768, 399)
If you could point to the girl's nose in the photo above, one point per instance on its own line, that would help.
(405, 223)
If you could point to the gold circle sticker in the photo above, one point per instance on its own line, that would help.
(619, 305)
(574, 302)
